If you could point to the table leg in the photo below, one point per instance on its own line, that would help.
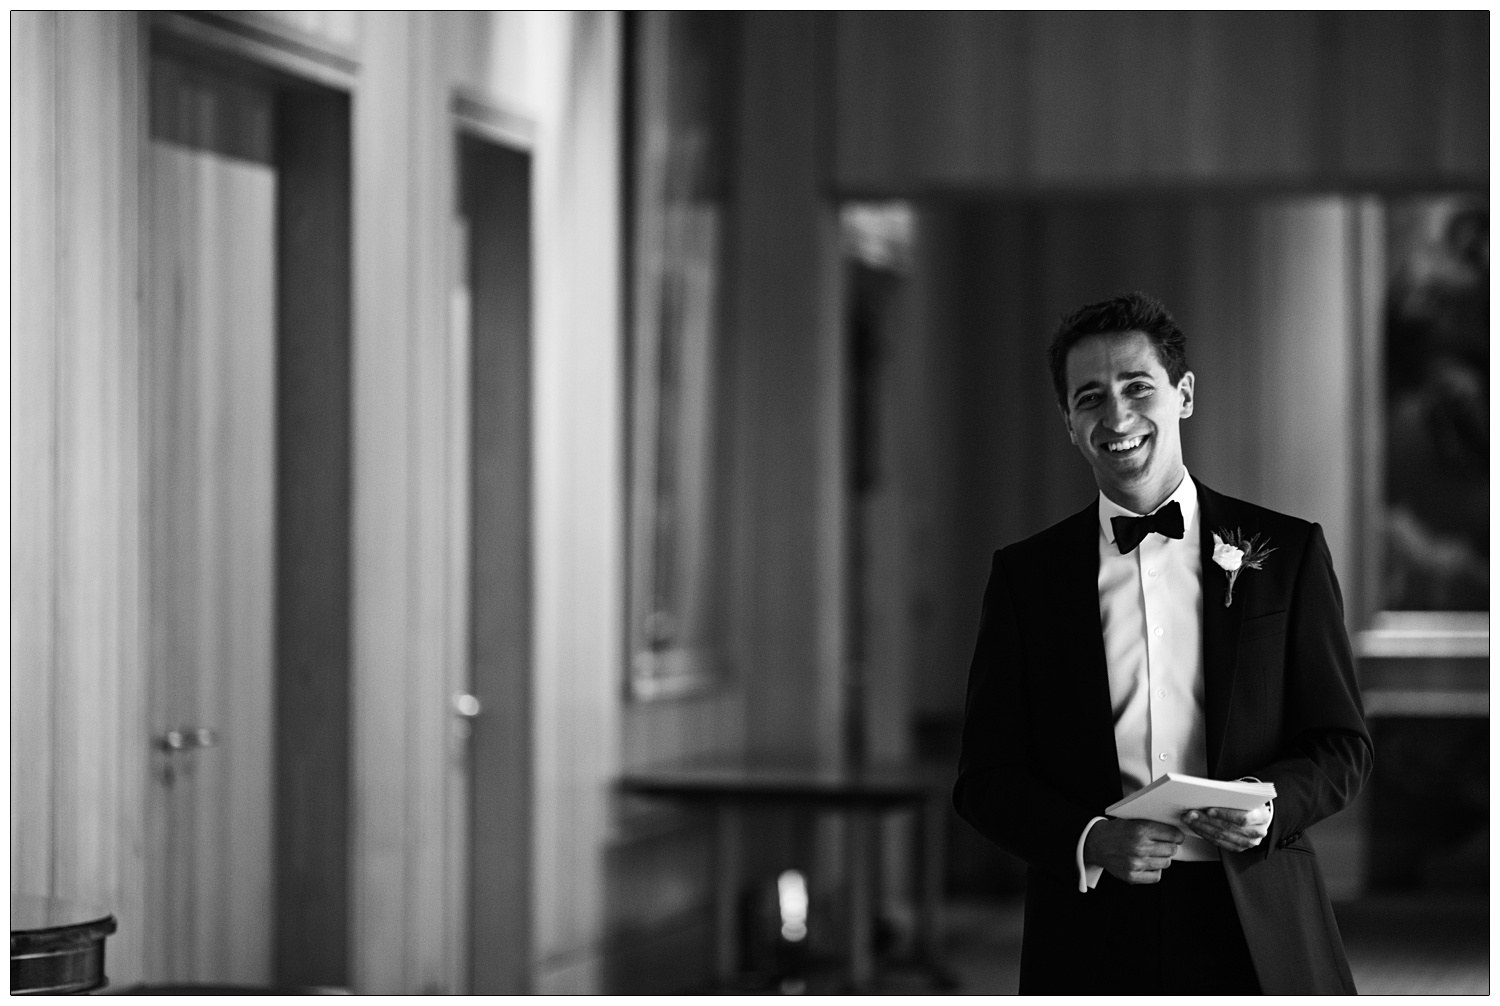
(726, 888)
(860, 844)
(931, 818)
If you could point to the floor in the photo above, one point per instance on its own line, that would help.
(1397, 945)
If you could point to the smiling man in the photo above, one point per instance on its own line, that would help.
(1112, 650)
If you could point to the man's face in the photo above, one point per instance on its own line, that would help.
(1123, 414)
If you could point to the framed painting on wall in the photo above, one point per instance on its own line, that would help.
(678, 106)
(1428, 471)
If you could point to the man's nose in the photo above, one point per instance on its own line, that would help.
(1116, 412)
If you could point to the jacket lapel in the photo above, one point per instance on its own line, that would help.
(1221, 625)
(1078, 584)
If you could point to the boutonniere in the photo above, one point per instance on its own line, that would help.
(1234, 554)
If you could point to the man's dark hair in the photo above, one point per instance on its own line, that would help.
(1126, 312)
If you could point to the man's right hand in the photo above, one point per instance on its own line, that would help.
(1134, 851)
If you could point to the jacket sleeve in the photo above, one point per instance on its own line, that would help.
(999, 791)
(1326, 754)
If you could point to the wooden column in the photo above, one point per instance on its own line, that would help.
(78, 745)
(400, 720)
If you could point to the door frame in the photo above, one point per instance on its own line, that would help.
(314, 83)
(492, 906)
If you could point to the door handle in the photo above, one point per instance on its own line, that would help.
(466, 707)
(187, 738)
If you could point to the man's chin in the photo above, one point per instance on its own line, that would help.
(1126, 473)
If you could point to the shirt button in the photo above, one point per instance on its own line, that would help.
(1162, 756)
(1161, 693)
(1157, 631)
(1151, 572)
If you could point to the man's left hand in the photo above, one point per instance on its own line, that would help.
(1234, 830)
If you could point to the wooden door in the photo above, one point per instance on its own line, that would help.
(210, 473)
(492, 299)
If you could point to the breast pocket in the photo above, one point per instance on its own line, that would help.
(1263, 626)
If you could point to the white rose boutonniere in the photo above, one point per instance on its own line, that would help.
(1234, 554)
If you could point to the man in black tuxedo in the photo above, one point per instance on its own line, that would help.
(1111, 650)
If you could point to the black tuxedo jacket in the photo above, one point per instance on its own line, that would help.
(1280, 701)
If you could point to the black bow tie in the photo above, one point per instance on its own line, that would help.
(1131, 531)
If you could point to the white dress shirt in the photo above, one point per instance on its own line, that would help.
(1151, 611)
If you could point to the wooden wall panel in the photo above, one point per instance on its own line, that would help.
(77, 672)
(428, 698)
(1066, 99)
(381, 647)
(577, 502)
(1305, 268)
(33, 445)
(787, 400)
(402, 201)
(100, 148)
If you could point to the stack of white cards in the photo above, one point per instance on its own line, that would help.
(1174, 794)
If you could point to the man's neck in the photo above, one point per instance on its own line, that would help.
(1144, 501)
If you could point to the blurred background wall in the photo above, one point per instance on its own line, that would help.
(450, 507)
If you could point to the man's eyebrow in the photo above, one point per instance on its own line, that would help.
(1131, 375)
(1086, 386)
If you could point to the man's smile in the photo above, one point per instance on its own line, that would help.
(1125, 446)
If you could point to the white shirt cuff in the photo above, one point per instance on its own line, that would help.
(1088, 876)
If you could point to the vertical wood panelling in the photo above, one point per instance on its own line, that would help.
(577, 501)
(98, 740)
(1274, 57)
(33, 445)
(829, 619)
(1307, 338)
(382, 955)
(989, 99)
(402, 716)
(88, 306)
(782, 387)
(1463, 117)
(77, 692)
(129, 708)
(429, 710)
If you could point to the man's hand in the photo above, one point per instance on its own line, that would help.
(1134, 851)
(1234, 830)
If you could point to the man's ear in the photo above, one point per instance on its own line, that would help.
(1185, 389)
(1068, 423)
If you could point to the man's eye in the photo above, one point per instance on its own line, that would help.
(1138, 388)
(1085, 401)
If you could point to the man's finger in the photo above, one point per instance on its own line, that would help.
(1211, 821)
(1242, 818)
(1157, 851)
(1233, 839)
(1161, 832)
(1150, 862)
